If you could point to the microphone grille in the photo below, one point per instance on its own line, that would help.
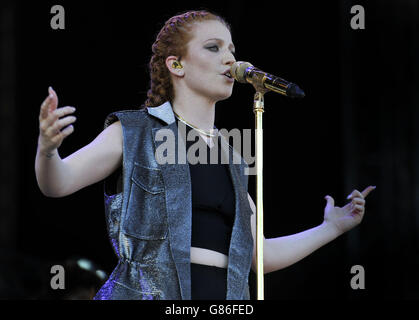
(238, 70)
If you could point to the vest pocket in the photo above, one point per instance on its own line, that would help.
(146, 216)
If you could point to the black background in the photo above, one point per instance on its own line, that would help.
(355, 127)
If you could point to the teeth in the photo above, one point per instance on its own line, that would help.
(228, 74)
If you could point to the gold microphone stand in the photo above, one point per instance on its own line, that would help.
(258, 109)
(262, 82)
(257, 80)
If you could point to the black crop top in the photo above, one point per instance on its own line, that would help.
(213, 204)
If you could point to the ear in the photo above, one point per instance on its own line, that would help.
(179, 72)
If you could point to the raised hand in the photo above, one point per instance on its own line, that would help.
(347, 217)
(55, 124)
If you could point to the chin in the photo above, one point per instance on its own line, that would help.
(225, 95)
(222, 98)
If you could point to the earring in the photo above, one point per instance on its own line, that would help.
(177, 65)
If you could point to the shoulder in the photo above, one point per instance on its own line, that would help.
(112, 134)
(126, 117)
(115, 126)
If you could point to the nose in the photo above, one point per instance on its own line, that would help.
(229, 58)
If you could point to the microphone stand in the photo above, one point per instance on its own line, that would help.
(258, 109)
(259, 81)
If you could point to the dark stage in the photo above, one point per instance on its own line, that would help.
(357, 126)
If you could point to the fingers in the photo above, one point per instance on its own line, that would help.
(355, 194)
(49, 104)
(55, 129)
(67, 131)
(362, 194)
(357, 204)
(55, 124)
(358, 201)
(61, 112)
(368, 190)
(54, 99)
(43, 114)
(52, 118)
(356, 208)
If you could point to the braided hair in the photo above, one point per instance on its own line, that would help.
(172, 40)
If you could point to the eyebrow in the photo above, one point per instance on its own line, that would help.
(231, 46)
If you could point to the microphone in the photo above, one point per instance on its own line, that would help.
(244, 72)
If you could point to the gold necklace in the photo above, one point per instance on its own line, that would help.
(193, 127)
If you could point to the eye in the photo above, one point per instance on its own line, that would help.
(213, 48)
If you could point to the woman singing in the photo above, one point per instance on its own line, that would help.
(180, 230)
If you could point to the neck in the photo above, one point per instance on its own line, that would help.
(197, 111)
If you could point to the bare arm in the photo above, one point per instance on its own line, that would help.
(281, 252)
(60, 177)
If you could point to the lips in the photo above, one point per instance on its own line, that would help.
(228, 74)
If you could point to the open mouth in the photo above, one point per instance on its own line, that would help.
(228, 74)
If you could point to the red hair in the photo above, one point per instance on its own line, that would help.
(172, 40)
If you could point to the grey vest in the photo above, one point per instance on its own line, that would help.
(148, 209)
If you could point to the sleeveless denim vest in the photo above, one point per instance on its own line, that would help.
(148, 209)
